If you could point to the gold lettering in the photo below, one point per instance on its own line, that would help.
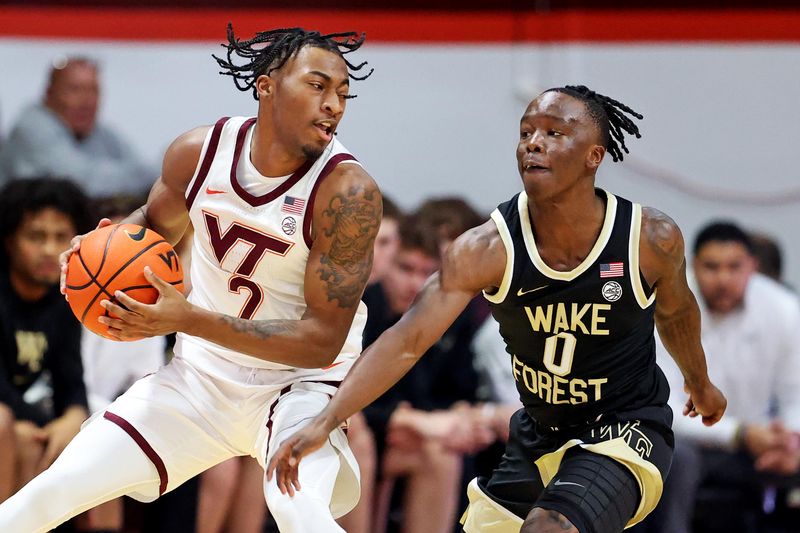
(559, 390)
(544, 386)
(577, 316)
(562, 322)
(597, 319)
(596, 383)
(31, 346)
(529, 374)
(514, 364)
(540, 319)
(578, 396)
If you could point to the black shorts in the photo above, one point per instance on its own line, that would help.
(635, 447)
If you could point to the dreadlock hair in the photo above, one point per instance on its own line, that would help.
(278, 46)
(609, 115)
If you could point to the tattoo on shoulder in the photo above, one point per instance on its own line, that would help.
(354, 216)
(661, 233)
(262, 329)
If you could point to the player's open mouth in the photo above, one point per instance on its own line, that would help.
(327, 128)
(534, 168)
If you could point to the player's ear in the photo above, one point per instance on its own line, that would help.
(595, 156)
(265, 86)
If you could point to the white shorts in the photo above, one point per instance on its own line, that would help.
(190, 416)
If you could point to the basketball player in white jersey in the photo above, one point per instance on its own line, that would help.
(284, 221)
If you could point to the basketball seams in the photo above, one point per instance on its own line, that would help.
(93, 277)
(113, 276)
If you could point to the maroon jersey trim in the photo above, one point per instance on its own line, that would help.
(256, 201)
(327, 169)
(144, 445)
(211, 151)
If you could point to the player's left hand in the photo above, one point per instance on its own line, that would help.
(134, 320)
(706, 401)
(285, 461)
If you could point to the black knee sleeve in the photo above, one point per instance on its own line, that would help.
(596, 493)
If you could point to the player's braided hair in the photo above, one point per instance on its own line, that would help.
(609, 115)
(269, 50)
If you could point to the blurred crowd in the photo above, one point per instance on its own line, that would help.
(440, 426)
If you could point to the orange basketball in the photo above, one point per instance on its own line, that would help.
(112, 259)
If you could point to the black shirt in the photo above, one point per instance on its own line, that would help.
(442, 377)
(581, 342)
(38, 337)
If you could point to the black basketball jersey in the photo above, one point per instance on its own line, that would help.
(581, 342)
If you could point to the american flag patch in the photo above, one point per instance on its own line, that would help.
(612, 270)
(293, 205)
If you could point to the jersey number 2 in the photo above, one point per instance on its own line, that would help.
(259, 243)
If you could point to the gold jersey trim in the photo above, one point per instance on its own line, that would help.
(633, 259)
(647, 475)
(505, 236)
(484, 515)
(599, 245)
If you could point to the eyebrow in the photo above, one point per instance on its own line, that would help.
(569, 120)
(328, 78)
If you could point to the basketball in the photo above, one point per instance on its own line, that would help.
(112, 259)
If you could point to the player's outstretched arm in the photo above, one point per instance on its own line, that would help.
(677, 314)
(475, 261)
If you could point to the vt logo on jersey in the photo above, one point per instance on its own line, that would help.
(249, 245)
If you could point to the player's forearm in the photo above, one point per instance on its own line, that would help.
(298, 343)
(381, 365)
(680, 333)
(137, 217)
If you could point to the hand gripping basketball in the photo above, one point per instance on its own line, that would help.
(108, 265)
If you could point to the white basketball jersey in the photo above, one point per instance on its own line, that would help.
(252, 236)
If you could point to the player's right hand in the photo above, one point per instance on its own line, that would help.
(75, 245)
(706, 401)
(285, 462)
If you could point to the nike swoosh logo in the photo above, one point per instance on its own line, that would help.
(138, 236)
(522, 293)
(560, 483)
(333, 365)
(209, 190)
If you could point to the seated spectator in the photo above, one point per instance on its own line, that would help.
(421, 426)
(751, 337)
(41, 387)
(767, 253)
(386, 241)
(61, 136)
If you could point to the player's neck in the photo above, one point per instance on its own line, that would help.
(570, 222)
(271, 157)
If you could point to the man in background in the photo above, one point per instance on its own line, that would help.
(751, 336)
(61, 136)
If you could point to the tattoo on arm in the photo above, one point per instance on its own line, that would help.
(663, 235)
(263, 329)
(355, 217)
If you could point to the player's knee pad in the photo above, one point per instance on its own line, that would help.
(596, 493)
(484, 515)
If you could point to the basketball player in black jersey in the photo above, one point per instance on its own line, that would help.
(577, 277)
